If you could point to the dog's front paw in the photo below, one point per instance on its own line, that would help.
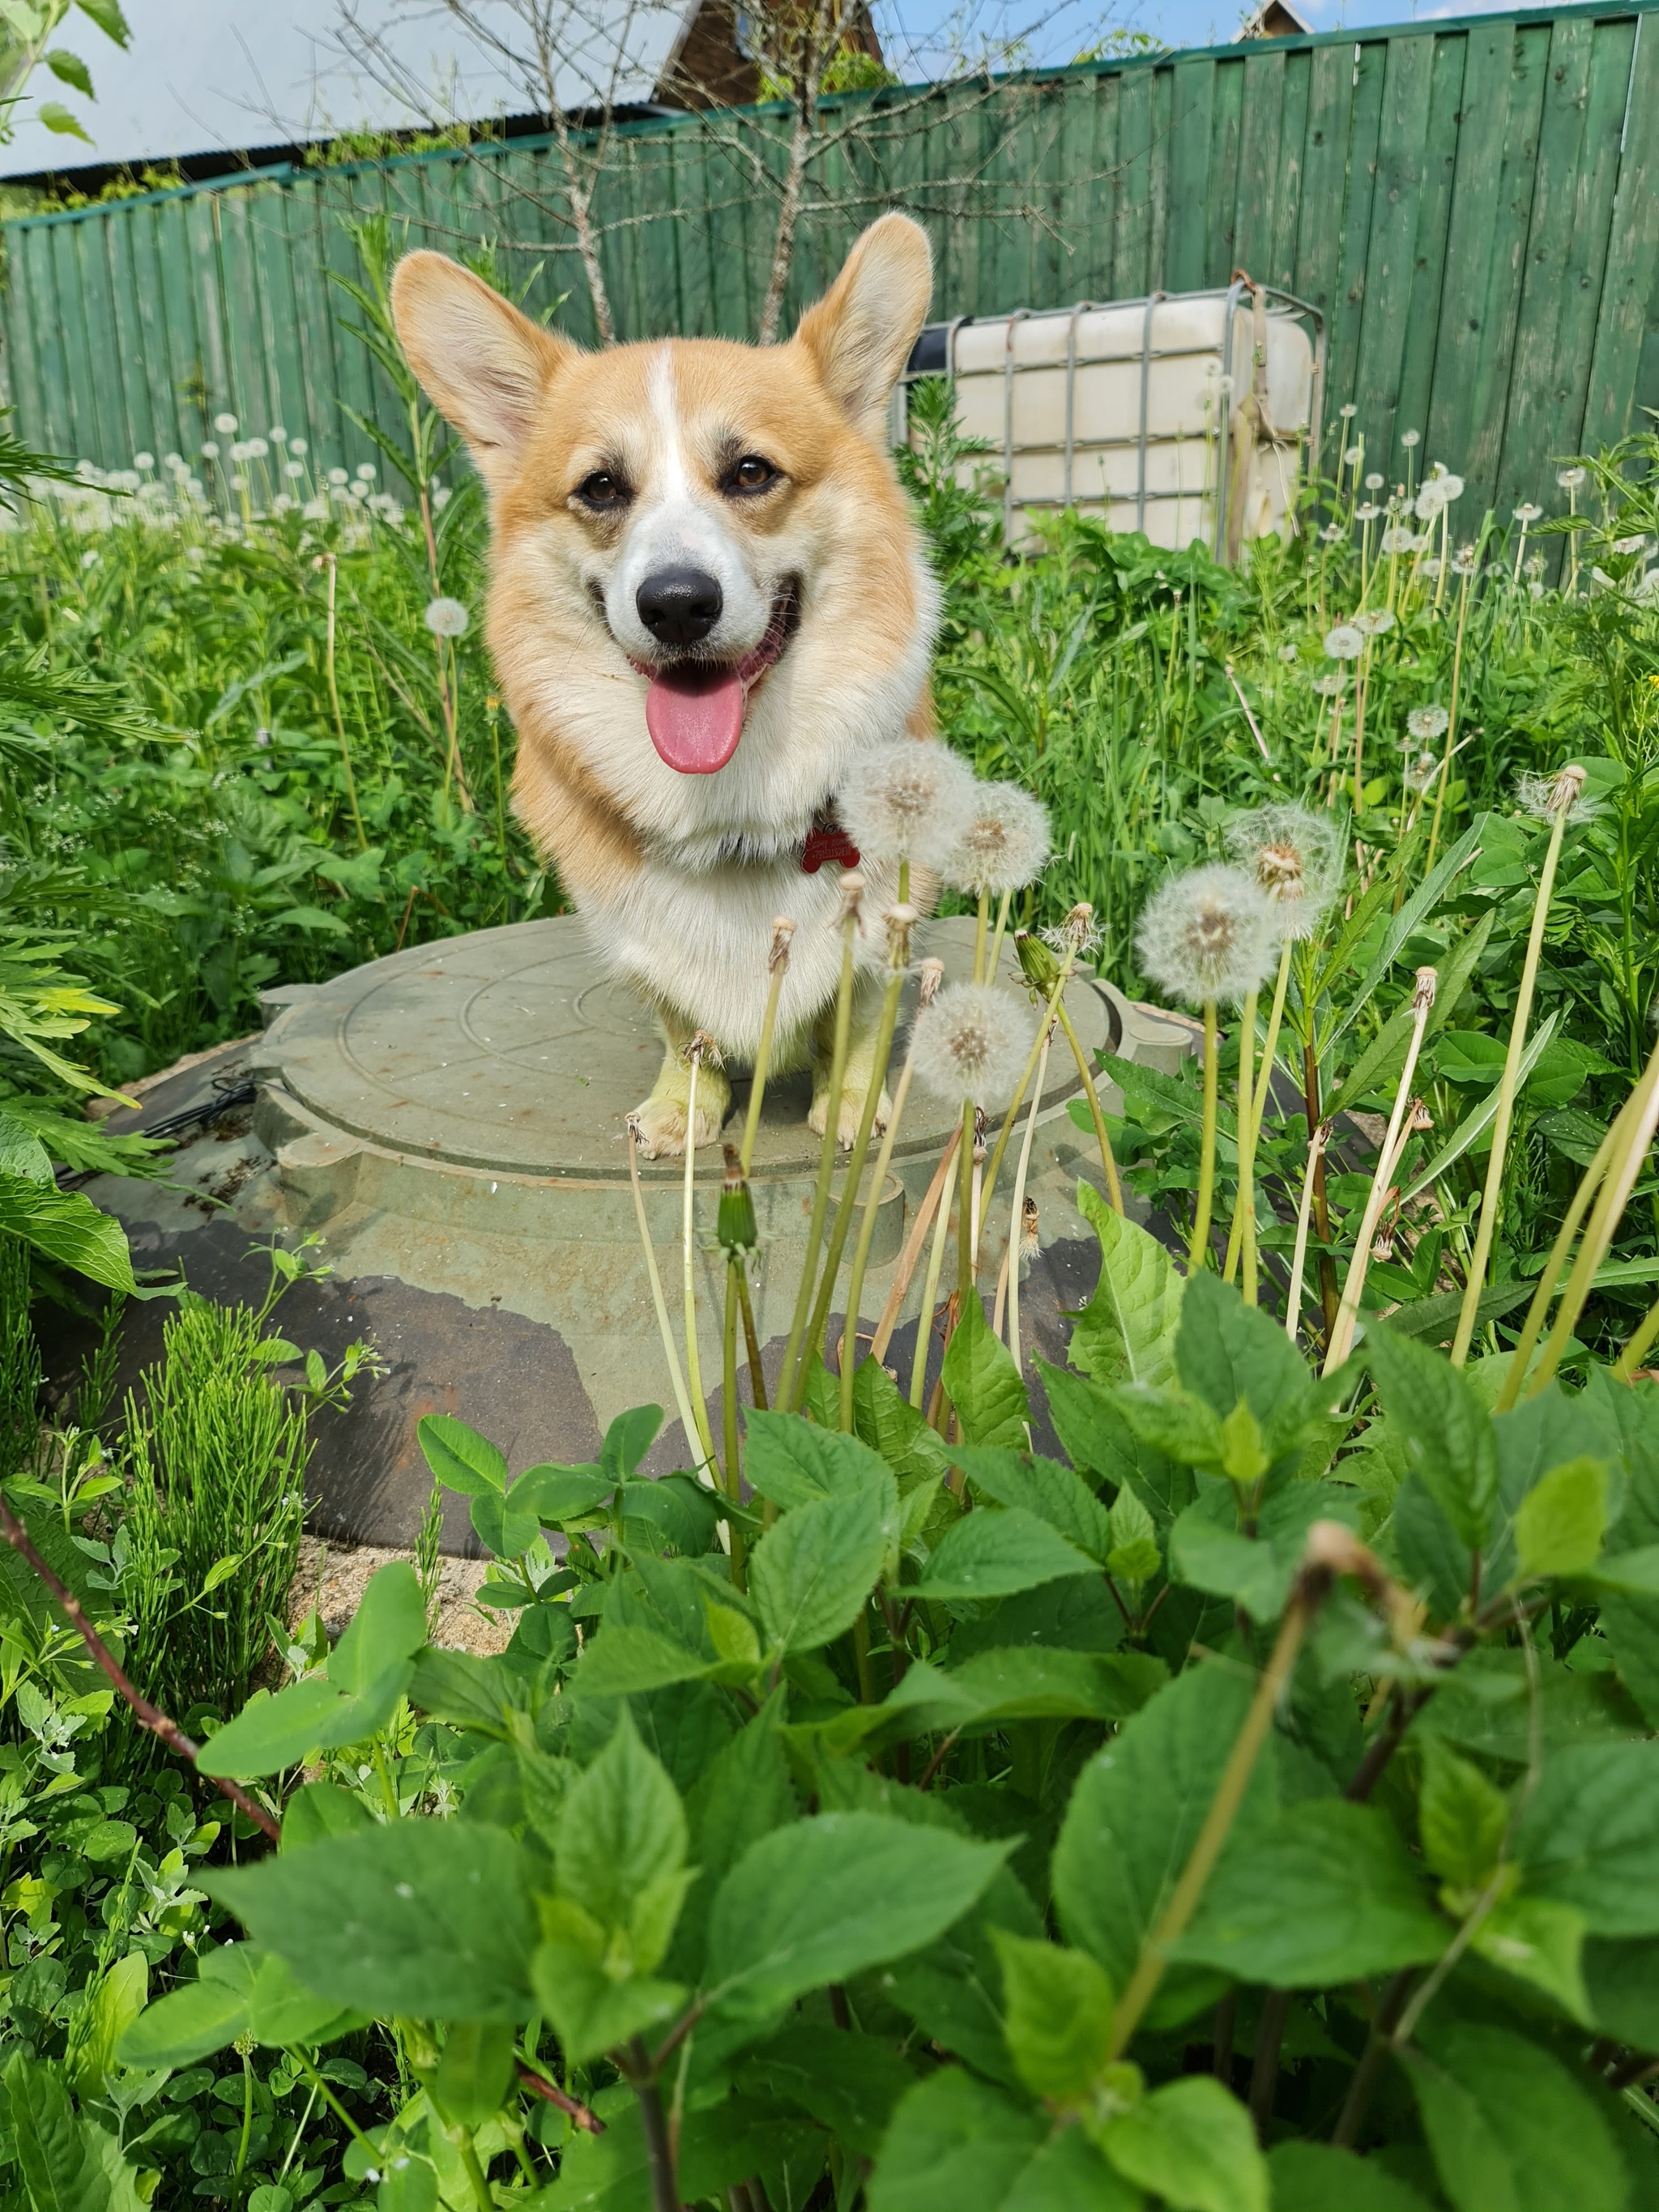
(852, 1113)
(660, 1122)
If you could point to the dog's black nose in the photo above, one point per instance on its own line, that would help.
(679, 606)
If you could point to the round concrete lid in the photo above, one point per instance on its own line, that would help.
(510, 1049)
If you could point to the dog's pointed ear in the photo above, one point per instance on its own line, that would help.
(860, 333)
(485, 365)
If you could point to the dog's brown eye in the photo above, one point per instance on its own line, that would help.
(602, 490)
(752, 473)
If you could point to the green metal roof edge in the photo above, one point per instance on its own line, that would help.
(662, 126)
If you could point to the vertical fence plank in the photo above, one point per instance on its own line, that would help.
(1348, 302)
(1219, 256)
(1391, 256)
(1259, 162)
(1506, 266)
(1280, 264)
(1325, 179)
(1632, 267)
(1433, 218)
(1191, 128)
(1132, 245)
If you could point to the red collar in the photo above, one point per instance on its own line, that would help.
(827, 840)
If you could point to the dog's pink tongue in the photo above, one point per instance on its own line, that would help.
(695, 719)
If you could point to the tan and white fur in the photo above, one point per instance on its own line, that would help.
(765, 471)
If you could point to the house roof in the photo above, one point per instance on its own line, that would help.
(205, 77)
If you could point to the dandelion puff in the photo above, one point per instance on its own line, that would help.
(973, 1043)
(1432, 568)
(1208, 934)
(257, 449)
(1345, 642)
(1327, 686)
(446, 618)
(1333, 533)
(1295, 858)
(1463, 561)
(1397, 539)
(1428, 721)
(225, 425)
(1004, 843)
(1527, 513)
(1375, 622)
(297, 445)
(906, 801)
(1544, 797)
(1376, 481)
(210, 450)
(1569, 479)
(1429, 502)
(1421, 774)
(1353, 457)
(1451, 487)
(277, 436)
(1347, 411)
(1080, 934)
(1287, 652)
(1410, 438)
(1367, 513)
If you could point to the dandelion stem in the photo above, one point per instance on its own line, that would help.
(676, 1373)
(1388, 1157)
(1452, 725)
(1039, 1047)
(1198, 1251)
(1486, 1227)
(1017, 1204)
(339, 719)
(1244, 1194)
(1533, 1327)
(930, 1288)
(1001, 931)
(782, 931)
(1637, 1349)
(794, 1364)
(751, 1342)
(965, 1203)
(937, 1185)
(1316, 1144)
(1261, 1085)
(729, 1406)
(1107, 1163)
(861, 1249)
(687, 1266)
(982, 927)
(853, 1176)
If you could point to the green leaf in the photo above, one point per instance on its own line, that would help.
(1328, 1894)
(468, 1691)
(1448, 1432)
(271, 1732)
(388, 1625)
(895, 1428)
(240, 1990)
(475, 2072)
(1193, 2144)
(1310, 2177)
(505, 1532)
(59, 2170)
(622, 1660)
(1540, 1943)
(824, 1900)
(106, 14)
(1589, 1836)
(993, 1553)
(792, 1462)
(627, 1439)
(1057, 2006)
(982, 1382)
(1227, 1352)
(57, 117)
(1207, 1550)
(1041, 1486)
(319, 1810)
(620, 1847)
(1511, 2127)
(1176, 1424)
(955, 2146)
(555, 1495)
(1460, 1817)
(811, 1575)
(428, 1917)
(1622, 1980)
(1136, 1810)
(1127, 1332)
(65, 1225)
(116, 1999)
(459, 1457)
(848, 2081)
(23, 1156)
(1562, 1519)
(593, 2011)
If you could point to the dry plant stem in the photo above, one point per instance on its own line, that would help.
(659, 2151)
(853, 1178)
(930, 1288)
(572, 2107)
(1626, 1164)
(1045, 1028)
(1533, 1327)
(861, 1249)
(1452, 725)
(1017, 1207)
(1261, 1086)
(339, 719)
(1000, 1305)
(1640, 1342)
(1311, 1586)
(912, 1252)
(676, 1373)
(793, 1363)
(1347, 1315)
(1322, 1213)
(1486, 1228)
(780, 967)
(1237, 1236)
(687, 1273)
(147, 1715)
(966, 1207)
(1322, 1137)
(729, 1406)
(1107, 1165)
(997, 935)
(1199, 1249)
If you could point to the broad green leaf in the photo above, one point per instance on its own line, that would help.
(1328, 1894)
(1587, 1836)
(106, 14)
(1622, 1980)
(388, 1625)
(593, 2011)
(270, 1733)
(56, 117)
(1226, 1350)
(1311, 2177)
(1193, 2144)
(1126, 1332)
(955, 2146)
(468, 1691)
(993, 1553)
(811, 1574)
(895, 1428)
(1136, 1810)
(1562, 1519)
(428, 1917)
(1207, 1550)
(620, 1847)
(69, 69)
(792, 1462)
(1460, 1817)
(1041, 1486)
(1511, 2126)
(67, 1227)
(60, 2170)
(824, 1900)
(240, 1990)
(744, 1793)
(319, 1810)
(505, 1532)
(117, 1998)
(1448, 1433)
(622, 1660)
(459, 1457)
(1057, 2016)
(475, 2072)
(555, 1495)
(1090, 1425)
(627, 1439)
(1541, 1943)
(409, 2183)
(1175, 1423)
(982, 1382)
(849, 2082)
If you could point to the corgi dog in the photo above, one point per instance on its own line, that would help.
(708, 601)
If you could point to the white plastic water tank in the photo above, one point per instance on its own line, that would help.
(1185, 416)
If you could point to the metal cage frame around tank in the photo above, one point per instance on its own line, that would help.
(940, 339)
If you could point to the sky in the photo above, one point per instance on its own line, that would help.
(203, 74)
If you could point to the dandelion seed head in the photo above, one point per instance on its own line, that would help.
(446, 618)
(210, 450)
(1347, 411)
(1451, 487)
(1428, 721)
(1376, 481)
(1207, 935)
(297, 445)
(1345, 642)
(1432, 566)
(1366, 513)
(930, 976)
(908, 801)
(1527, 513)
(1333, 533)
(1544, 797)
(1429, 502)
(1294, 856)
(1463, 561)
(973, 1043)
(1569, 479)
(1373, 622)
(1410, 438)
(1420, 774)
(225, 425)
(1003, 844)
(1327, 686)
(1080, 934)
(1396, 539)
(256, 449)
(1353, 457)
(1287, 652)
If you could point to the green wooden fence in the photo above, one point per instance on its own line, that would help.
(1473, 205)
